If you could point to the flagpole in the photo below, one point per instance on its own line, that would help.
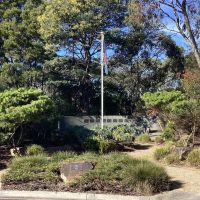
(102, 81)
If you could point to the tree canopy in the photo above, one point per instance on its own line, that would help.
(23, 107)
(54, 46)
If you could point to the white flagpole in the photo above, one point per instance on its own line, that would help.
(102, 81)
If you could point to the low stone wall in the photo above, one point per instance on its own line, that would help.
(88, 122)
(92, 121)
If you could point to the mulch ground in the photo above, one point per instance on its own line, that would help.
(4, 157)
(95, 187)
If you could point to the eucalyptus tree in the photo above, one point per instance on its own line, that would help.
(177, 16)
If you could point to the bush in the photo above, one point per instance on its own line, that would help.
(162, 152)
(100, 144)
(34, 150)
(29, 168)
(159, 140)
(112, 171)
(41, 167)
(171, 158)
(144, 138)
(194, 157)
(105, 140)
(123, 133)
(4, 138)
(184, 141)
(169, 132)
(125, 173)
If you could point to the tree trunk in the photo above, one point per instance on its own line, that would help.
(194, 131)
(191, 37)
(197, 56)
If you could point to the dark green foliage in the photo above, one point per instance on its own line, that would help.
(110, 170)
(100, 144)
(172, 158)
(169, 132)
(162, 152)
(143, 138)
(176, 110)
(162, 100)
(159, 140)
(106, 139)
(30, 168)
(23, 107)
(194, 158)
(34, 150)
(127, 172)
(33, 35)
(191, 62)
(123, 133)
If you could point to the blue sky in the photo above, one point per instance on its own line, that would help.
(176, 37)
(169, 24)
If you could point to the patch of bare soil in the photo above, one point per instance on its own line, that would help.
(185, 179)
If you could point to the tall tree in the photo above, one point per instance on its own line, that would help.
(183, 14)
(75, 25)
(21, 44)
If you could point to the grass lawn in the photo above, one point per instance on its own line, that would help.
(113, 173)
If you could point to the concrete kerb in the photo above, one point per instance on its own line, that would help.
(65, 196)
(19, 195)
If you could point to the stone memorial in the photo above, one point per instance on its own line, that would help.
(70, 171)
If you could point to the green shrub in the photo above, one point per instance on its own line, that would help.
(171, 158)
(162, 152)
(147, 172)
(169, 132)
(100, 144)
(144, 138)
(62, 155)
(4, 138)
(105, 140)
(118, 169)
(194, 157)
(29, 168)
(184, 141)
(123, 133)
(34, 150)
(159, 140)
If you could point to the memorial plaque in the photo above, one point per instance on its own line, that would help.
(70, 171)
(109, 120)
(86, 121)
(92, 121)
(98, 120)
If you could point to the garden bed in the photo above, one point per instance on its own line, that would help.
(115, 173)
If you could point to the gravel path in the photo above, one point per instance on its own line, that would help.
(187, 179)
